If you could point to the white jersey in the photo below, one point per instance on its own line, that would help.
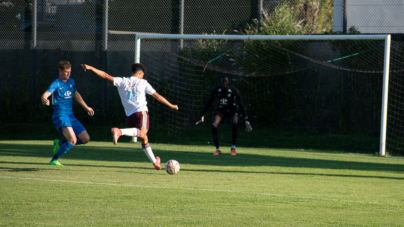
(133, 91)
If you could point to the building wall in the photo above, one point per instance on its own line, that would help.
(370, 16)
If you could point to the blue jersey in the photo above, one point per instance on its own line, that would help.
(62, 96)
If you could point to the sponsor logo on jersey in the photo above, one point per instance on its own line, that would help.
(228, 95)
(223, 102)
(68, 94)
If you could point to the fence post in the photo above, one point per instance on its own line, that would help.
(182, 23)
(34, 44)
(260, 8)
(344, 74)
(105, 55)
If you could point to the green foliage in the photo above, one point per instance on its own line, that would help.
(206, 48)
(295, 17)
(280, 22)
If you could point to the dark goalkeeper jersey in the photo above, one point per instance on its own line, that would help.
(227, 100)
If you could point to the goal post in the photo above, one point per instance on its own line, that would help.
(385, 38)
(386, 73)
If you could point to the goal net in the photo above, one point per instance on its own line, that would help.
(328, 91)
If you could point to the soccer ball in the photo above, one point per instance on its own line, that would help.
(172, 167)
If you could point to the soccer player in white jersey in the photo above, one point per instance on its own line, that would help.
(132, 91)
(63, 90)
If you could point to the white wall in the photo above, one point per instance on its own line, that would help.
(370, 16)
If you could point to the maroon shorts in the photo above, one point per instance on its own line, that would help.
(138, 120)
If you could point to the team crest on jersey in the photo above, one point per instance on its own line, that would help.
(70, 85)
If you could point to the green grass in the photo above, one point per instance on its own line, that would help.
(106, 185)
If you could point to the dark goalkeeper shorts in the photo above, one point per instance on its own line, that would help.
(138, 120)
(226, 113)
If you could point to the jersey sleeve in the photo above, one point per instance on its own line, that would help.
(53, 86)
(149, 89)
(118, 81)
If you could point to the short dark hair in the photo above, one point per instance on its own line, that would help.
(138, 67)
(64, 65)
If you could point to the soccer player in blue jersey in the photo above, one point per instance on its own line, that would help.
(63, 90)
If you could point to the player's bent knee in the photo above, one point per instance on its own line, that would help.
(73, 141)
(86, 140)
(143, 131)
(144, 140)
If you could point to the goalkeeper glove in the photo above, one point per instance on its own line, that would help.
(199, 121)
(248, 127)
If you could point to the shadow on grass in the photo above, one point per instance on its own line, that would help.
(14, 169)
(19, 169)
(125, 154)
(259, 137)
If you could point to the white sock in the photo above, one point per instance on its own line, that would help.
(149, 153)
(233, 147)
(218, 149)
(130, 132)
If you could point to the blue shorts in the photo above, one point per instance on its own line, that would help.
(68, 121)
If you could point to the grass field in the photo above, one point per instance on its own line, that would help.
(106, 185)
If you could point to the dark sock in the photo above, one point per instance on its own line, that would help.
(234, 129)
(215, 137)
(64, 148)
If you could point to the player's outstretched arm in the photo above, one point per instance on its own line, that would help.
(99, 73)
(164, 101)
(44, 98)
(80, 100)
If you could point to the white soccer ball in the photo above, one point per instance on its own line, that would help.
(172, 167)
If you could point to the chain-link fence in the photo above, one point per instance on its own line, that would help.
(36, 34)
